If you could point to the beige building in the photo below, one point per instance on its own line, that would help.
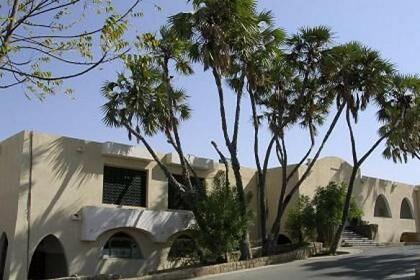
(70, 206)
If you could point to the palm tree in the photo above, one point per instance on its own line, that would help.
(146, 103)
(301, 96)
(222, 33)
(254, 73)
(367, 79)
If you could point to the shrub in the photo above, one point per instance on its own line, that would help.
(300, 222)
(329, 203)
(220, 211)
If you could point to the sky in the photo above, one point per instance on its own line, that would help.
(391, 27)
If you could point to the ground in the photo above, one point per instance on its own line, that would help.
(372, 263)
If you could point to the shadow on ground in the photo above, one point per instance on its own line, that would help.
(365, 266)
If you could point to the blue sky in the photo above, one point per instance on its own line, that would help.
(392, 27)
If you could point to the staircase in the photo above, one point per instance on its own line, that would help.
(352, 239)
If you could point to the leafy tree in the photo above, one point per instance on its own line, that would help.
(221, 211)
(145, 103)
(257, 70)
(224, 32)
(328, 203)
(300, 96)
(36, 36)
(300, 223)
(397, 100)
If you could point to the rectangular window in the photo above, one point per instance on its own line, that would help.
(124, 186)
(175, 201)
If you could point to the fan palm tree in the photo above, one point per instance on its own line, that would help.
(397, 98)
(365, 79)
(222, 33)
(300, 96)
(254, 73)
(146, 103)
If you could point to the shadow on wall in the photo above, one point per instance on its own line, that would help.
(84, 258)
(151, 254)
(70, 164)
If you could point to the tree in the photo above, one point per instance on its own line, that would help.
(328, 203)
(257, 69)
(146, 103)
(301, 96)
(220, 39)
(36, 36)
(397, 99)
(374, 82)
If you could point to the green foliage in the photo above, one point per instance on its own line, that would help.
(297, 94)
(300, 223)
(221, 213)
(400, 116)
(322, 214)
(329, 203)
(145, 99)
(40, 36)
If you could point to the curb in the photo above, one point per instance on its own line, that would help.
(298, 254)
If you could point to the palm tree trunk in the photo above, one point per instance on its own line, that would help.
(346, 209)
(232, 148)
(284, 202)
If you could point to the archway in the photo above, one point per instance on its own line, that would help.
(382, 207)
(406, 211)
(283, 239)
(48, 260)
(4, 243)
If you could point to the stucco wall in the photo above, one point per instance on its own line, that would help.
(390, 229)
(12, 208)
(67, 175)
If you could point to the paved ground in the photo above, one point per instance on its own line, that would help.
(373, 263)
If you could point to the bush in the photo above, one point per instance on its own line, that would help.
(329, 203)
(300, 222)
(220, 212)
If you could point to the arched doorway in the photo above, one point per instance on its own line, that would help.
(48, 260)
(283, 240)
(4, 243)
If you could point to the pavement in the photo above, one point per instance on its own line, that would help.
(367, 263)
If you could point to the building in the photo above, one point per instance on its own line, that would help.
(65, 209)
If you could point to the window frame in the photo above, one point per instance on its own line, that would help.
(121, 235)
(146, 184)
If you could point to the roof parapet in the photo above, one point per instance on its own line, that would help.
(121, 150)
(196, 162)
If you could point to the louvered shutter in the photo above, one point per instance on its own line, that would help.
(124, 187)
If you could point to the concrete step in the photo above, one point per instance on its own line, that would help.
(351, 238)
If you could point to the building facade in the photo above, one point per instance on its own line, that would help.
(71, 206)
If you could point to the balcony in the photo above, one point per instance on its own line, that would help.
(160, 225)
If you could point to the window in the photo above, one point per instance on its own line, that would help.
(405, 212)
(122, 246)
(124, 187)
(382, 208)
(175, 200)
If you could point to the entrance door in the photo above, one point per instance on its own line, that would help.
(48, 260)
